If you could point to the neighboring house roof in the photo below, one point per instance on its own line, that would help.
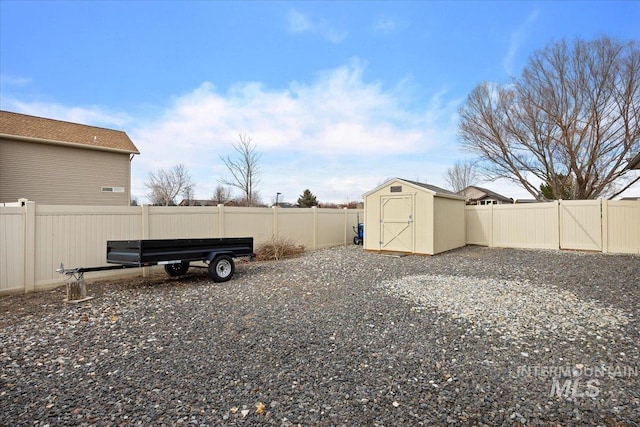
(487, 194)
(198, 202)
(23, 127)
(634, 163)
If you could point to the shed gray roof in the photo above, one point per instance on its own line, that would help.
(430, 187)
(437, 191)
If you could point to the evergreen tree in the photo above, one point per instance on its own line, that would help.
(564, 188)
(307, 199)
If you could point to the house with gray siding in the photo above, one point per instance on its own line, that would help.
(61, 163)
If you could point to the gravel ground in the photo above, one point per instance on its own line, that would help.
(475, 336)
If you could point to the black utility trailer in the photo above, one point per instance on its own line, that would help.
(175, 254)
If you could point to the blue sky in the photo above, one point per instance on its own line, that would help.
(337, 96)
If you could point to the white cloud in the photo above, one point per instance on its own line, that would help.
(385, 25)
(307, 132)
(17, 81)
(298, 22)
(516, 40)
(337, 134)
(92, 115)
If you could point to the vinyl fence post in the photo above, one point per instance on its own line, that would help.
(638, 235)
(144, 222)
(604, 225)
(314, 210)
(144, 232)
(29, 246)
(491, 228)
(274, 226)
(221, 220)
(346, 223)
(558, 224)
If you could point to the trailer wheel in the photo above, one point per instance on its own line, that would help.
(221, 268)
(178, 269)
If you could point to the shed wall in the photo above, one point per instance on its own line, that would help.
(383, 224)
(424, 223)
(449, 224)
(436, 223)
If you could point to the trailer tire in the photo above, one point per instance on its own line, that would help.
(178, 269)
(221, 268)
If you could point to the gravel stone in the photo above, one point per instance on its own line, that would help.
(516, 310)
(342, 336)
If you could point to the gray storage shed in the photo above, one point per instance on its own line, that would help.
(411, 217)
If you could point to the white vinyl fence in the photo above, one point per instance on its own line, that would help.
(35, 239)
(590, 225)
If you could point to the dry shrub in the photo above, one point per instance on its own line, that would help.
(277, 248)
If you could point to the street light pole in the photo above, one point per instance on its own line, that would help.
(277, 195)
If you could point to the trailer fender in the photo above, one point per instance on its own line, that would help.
(213, 255)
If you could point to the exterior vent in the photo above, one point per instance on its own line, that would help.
(113, 189)
(396, 188)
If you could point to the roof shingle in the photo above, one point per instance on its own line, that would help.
(49, 130)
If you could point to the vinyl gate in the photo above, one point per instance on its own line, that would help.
(581, 225)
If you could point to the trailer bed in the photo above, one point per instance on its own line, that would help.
(175, 254)
(142, 253)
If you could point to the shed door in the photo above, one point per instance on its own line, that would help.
(396, 223)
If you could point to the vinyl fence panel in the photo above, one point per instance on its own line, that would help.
(330, 228)
(532, 225)
(182, 222)
(621, 226)
(248, 222)
(12, 248)
(296, 225)
(35, 239)
(478, 221)
(594, 225)
(77, 236)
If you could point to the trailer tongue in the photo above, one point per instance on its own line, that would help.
(175, 254)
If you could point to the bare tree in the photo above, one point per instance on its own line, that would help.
(221, 195)
(189, 195)
(572, 116)
(244, 170)
(165, 185)
(461, 175)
